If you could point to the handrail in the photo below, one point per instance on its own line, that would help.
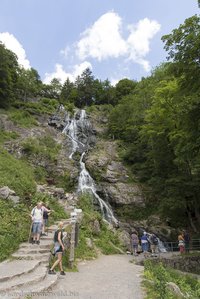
(194, 244)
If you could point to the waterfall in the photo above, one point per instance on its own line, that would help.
(86, 183)
(77, 129)
(71, 130)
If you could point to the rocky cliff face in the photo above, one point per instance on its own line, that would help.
(114, 181)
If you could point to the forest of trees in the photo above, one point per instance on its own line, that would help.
(155, 120)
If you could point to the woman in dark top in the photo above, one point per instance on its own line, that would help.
(58, 249)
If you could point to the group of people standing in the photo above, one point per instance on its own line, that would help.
(147, 241)
(39, 216)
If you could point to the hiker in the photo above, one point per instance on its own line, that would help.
(181, 243)
(186, 236)
(45, 219)
(37, 221)
(145, 244)
(58, 249)
(153, 244)
(134, 242)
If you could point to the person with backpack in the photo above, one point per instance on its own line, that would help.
(153, 244)
(37, 221)
(46, 214)
(58, 249)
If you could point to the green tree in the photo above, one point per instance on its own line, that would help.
(66, 91)
(8, 76)
(29, 83)
(85, 88)
(183, 46)
(124, 87)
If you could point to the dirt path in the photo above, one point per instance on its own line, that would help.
(108, 277)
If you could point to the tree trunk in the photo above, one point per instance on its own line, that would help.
(191, 222)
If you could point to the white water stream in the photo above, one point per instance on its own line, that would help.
(75, 127)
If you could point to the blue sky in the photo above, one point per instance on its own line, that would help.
(115, 38)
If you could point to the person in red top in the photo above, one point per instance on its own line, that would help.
(181, 243)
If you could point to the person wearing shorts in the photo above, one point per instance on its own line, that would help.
(58, 250)
(37, 222)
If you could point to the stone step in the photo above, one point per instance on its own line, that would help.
(30, 291)
(38, 274)
(14, 268)
(28, 245)
(48, 238)
(40, 257)
(34, 250)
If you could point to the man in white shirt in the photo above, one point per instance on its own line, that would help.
(37, 218)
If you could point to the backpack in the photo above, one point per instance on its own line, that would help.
(33, 213)
(55, 237)
(154, 240)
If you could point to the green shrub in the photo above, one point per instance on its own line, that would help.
(16, 174)
(158, 276)
(44, 148)
(22, 118)
(5, 135)
(14, 227)
(64, 181)
(41, 107)
(40, 174)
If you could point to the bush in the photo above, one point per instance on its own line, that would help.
(16, 174)
(44, 148)
(22, 118)
(4, 136)
(158, 276)
(14, 227)
(41, 107)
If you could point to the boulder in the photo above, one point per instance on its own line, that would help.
(175, 289)
(15, 199)
(5, 192)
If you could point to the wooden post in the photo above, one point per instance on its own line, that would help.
(72, 245)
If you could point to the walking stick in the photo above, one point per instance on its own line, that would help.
(30, 233)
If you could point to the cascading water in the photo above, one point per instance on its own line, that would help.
(77, 129)
(86, 183)
(71, 130)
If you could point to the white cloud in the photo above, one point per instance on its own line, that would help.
(138, 41)
(62, 75)
(65, 52)
(11, 43)
(104, 40)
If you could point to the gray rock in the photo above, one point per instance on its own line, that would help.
(123, 193)
(175, 289)
(125, 239)
(15, 199)
(96, 227)
(89, 242)
(5, 192)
